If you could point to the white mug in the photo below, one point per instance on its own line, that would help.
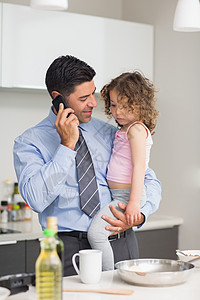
(90, 264)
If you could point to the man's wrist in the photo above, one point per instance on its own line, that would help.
(142, 223)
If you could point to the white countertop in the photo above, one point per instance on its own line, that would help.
(188, 290)
(160, 222)
(30, 230)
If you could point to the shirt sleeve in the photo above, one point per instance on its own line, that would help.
(40, 182)
(153, 194)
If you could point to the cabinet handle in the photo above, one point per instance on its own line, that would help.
(8, 242)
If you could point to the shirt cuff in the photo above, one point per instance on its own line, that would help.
(142, 222)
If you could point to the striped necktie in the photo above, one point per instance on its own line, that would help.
(88, 189)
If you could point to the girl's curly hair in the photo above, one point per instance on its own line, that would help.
(139, 93)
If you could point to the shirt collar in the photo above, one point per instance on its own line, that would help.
(87, 126)
(52, 116)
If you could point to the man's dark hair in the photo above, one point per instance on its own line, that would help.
(65, 73)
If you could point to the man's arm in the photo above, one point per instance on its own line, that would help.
(39, 182)
(153, 198)
(42, 178)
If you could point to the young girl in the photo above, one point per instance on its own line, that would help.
(130, 99)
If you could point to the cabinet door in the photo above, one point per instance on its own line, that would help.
(32, 39)
(32, 253)
(160, 243)
(12, 257)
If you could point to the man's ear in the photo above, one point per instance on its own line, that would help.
(54, 94)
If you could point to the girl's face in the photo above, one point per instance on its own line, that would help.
(122, 115)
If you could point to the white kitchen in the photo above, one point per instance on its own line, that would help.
(170, 58)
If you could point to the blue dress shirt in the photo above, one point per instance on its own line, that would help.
(46, 172)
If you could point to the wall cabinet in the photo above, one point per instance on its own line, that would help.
(32, 39)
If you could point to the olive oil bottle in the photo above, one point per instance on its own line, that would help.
(48, 269)
(52, 224)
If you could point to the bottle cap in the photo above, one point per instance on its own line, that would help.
(4, 203)
(52, 219)
(52, 223)
(15, 207)
(21, 204)
(48, 232)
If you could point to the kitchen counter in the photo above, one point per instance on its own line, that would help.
(188, 290)
(157, 238)
(30, 230)
(159, 222)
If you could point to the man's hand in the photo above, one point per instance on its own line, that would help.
(67, 126)
(120, 224)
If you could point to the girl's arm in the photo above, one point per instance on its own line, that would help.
(154, 196)
(137, 135)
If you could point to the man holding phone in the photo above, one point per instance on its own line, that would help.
(45, 159)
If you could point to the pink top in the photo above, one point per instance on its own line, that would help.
(120, 166)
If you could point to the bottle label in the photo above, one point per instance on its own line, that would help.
(14, 215)
(48, 284)
(17, 198)
(4, 216)
(28, 214)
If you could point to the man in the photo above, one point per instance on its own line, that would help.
(45, 163)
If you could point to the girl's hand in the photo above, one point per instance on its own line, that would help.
(132, 213)
(120, 224)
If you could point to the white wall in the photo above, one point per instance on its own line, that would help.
(20, 110)
(175, 154)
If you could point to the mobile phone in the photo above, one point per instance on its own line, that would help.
(56, 102)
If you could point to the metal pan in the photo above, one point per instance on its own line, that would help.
(154, 272)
